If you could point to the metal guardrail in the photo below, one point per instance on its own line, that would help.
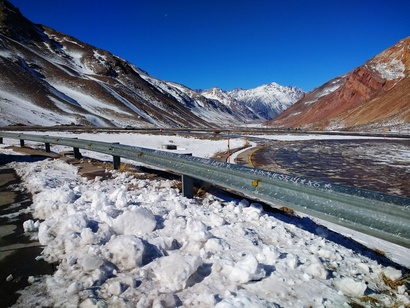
(377, 214)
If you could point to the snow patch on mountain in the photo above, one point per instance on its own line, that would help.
(219, 95)
(328, 88)
(391, 70)
(15, 109)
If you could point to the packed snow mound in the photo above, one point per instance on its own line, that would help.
(174, 271)
(132, 242)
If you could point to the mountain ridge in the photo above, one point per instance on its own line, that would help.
(51, 78)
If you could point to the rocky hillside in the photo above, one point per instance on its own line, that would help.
(374, 96)
(50, 78)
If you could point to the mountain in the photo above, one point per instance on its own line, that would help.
(372, 97)
(210, 110)
(219, 95)
(50, 78)
(259, 104)
(269, 100)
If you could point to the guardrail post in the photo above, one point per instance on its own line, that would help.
(187, 186)
(77, 153)
(116, 162)
(22, 142)
(1, 140)
(47, 147)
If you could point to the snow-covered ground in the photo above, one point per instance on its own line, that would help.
(128, 242)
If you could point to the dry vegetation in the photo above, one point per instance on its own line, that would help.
(394, 284)
(199, 192)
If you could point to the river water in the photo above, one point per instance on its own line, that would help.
(376, 164)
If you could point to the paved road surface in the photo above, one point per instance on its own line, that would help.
(18, 252)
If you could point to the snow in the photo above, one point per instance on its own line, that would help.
(279, 97)
(76, 59)
(391, 70)
(17, 109)
(351, 287)
(195, 102)
(197, 147)
(265, 101)
(328, 88)
(128, 242)
(86, 101)
(124, 101)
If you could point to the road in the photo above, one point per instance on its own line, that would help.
(18, 252)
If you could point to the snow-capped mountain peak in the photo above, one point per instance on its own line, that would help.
(269, 99)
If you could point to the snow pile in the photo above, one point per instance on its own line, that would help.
(127, 242)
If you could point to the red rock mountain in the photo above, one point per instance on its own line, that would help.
(374, 96)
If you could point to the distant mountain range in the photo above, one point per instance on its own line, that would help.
(372, 97)
(49, 78)
(262, 103)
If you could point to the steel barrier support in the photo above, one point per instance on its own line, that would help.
(116, 162)
(77, 153)
(47, 145)
(187, 186)
(22, 142)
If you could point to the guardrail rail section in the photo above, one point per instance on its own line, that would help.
(377, 214)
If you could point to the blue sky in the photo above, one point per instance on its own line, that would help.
(234, 43)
